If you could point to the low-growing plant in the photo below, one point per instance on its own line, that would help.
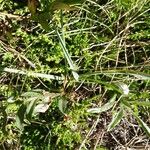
(69, 64)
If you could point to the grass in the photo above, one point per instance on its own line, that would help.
(75, 79)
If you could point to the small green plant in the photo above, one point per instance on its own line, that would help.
(90, 60)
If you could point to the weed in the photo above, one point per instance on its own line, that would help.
(73, 75)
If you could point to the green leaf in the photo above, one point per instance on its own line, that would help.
(143, 124)
(62, 104)
(146, 104)
(116, 119)
(20, 116)
(113, 98)
(68, 57)
(138, 75)
(108, 85)
(32, 94)
(30, 108)
(126, 103)
(105, 107)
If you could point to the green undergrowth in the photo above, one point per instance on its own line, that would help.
(63, 72)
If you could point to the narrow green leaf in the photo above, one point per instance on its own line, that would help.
(105, 107)
(20, 116)
(108, 85)
(113, 98)
(32, 74)
(116, 119)
(146, 104)
(143, 124)
(68, 57)
(138, 75)
(126, 103)
(30, 108)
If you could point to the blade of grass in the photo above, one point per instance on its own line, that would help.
(139, 75)
(69, 60)
(32, 74)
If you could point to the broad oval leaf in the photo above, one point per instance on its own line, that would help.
(62, 104)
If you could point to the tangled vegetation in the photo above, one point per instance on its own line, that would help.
(74, 74)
